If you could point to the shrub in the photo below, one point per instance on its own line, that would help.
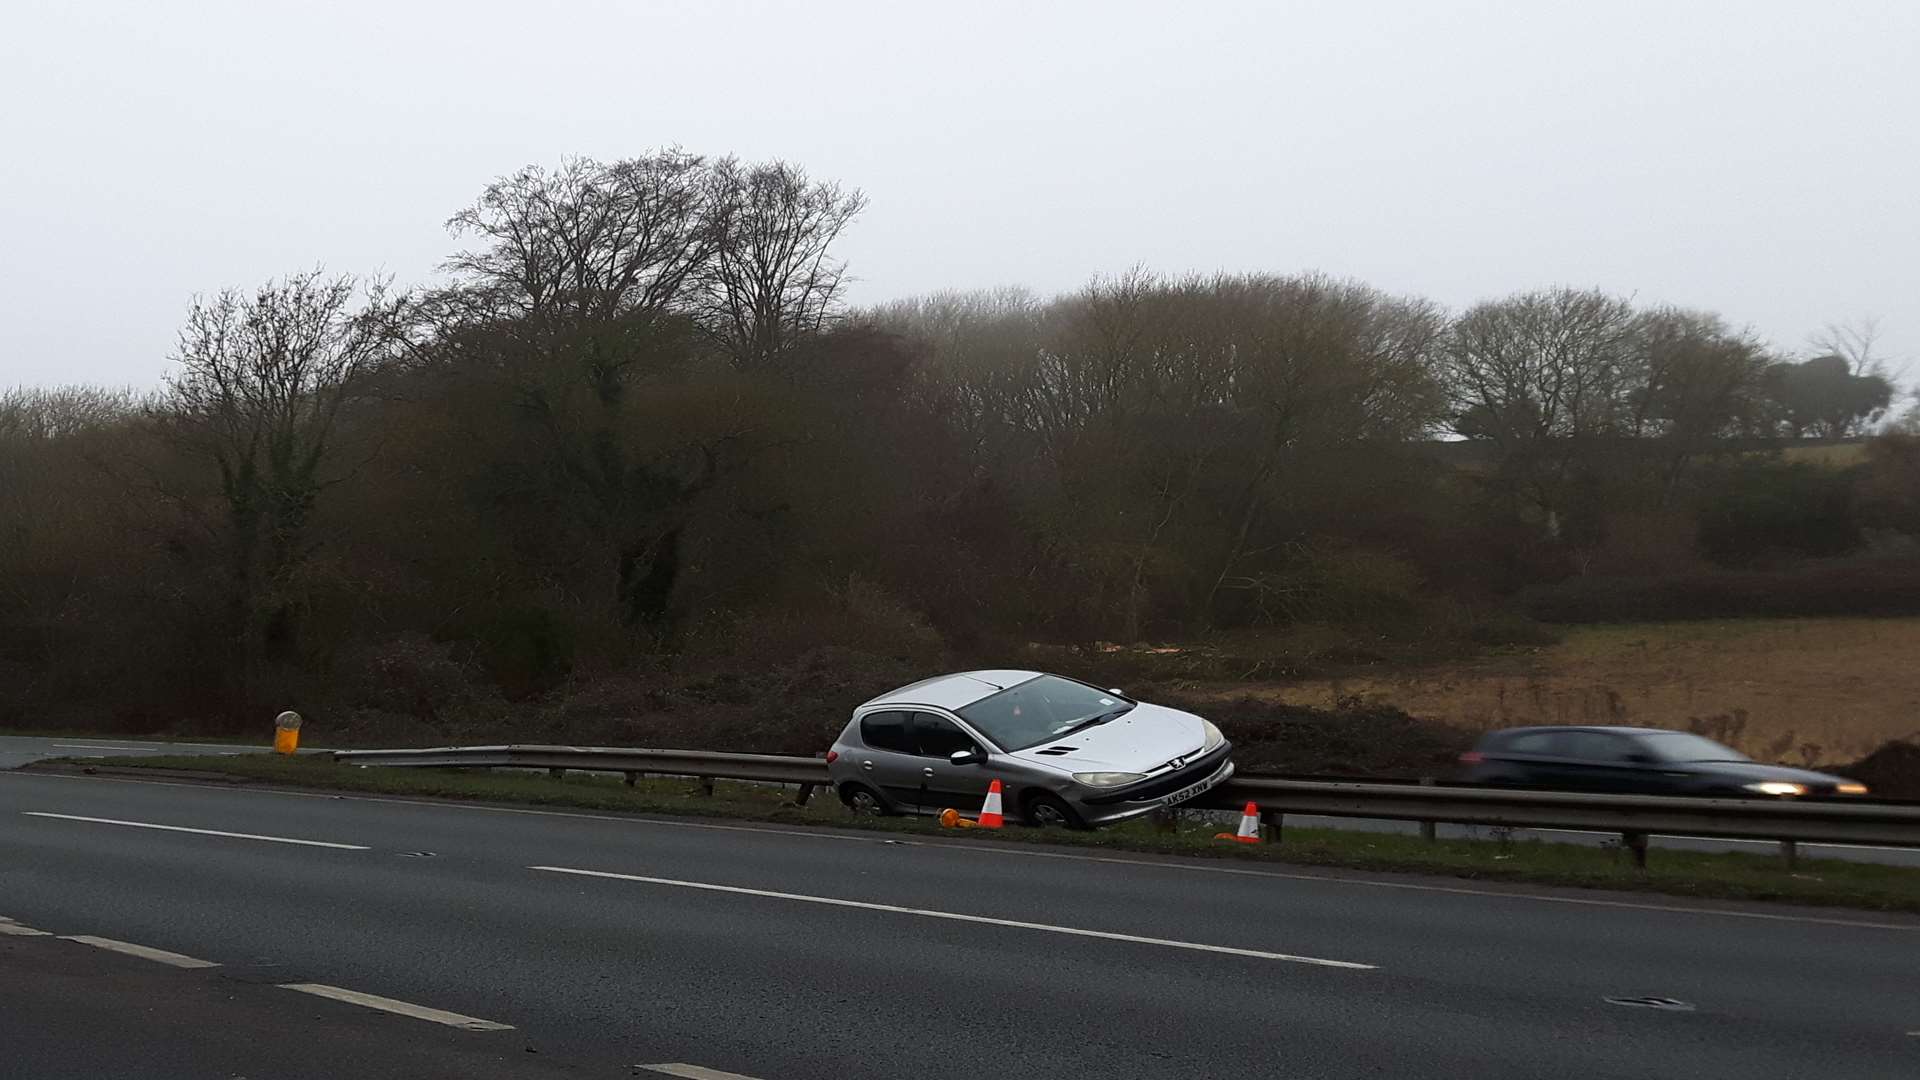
(1760, 509)
(1885, 586)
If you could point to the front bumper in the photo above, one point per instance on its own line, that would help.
(1098, 806)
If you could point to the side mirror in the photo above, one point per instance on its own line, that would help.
(967, 757)
(1116, 691)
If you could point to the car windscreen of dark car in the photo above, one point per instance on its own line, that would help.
(1682, 746)
(1040, 709)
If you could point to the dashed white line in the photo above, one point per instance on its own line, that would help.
(142, 951)
(9, 927)
(692, 1072)
(955, 916)
(199, 832)
(401, 1008)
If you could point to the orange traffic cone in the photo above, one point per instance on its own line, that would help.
(951, 819)
(1249, 827)
(990, 812)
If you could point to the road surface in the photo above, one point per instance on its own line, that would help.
(20, 750)
(597, 945)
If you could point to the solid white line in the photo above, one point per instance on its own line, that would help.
(957, 917)
(696, 1072)
(200, 832)
(1195, 867)
(141, 951)
(14, 929)
(402, 1008)
(89, 746)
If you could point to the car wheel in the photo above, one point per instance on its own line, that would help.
(863, 800)
(1044, 811)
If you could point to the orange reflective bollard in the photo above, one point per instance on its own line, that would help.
(286, 732)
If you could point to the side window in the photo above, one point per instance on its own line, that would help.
(1591, 746)
(1538, 742)
(938, 736)
(887, 731)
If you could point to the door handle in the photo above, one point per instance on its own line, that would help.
(928, 773)
(867, 765)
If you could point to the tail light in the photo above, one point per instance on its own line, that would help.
(833, 756)
(1472, 757)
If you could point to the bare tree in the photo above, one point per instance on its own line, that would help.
(586, 240)
(772, 278)
(262, 380)
(1547, 377)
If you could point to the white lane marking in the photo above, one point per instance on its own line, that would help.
(402, 1008)
(200, 832)
(88, 746)
(14, 929)
(957, 917)
(696, 1072)
(142, 951)
(1005, 848)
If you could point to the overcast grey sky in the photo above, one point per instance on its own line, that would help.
(1755, 158)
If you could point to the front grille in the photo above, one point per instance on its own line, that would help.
(1159, 787)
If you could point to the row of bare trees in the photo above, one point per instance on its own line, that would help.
(636, 419)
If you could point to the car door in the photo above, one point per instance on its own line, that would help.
(1592, 761)
(891, 762)
(961, 787)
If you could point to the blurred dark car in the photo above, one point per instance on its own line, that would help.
(1646, 761)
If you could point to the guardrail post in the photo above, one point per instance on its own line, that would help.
(1166, 820)
(1790, 852)
(706, 785)
(556, 774)
(1427, 831)
(806, 792)
(1270, 821)
(1636, 842)
(630, 778)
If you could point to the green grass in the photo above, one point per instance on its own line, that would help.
(1681, 873)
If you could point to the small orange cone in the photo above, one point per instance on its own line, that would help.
(1249, 827)
(990, 812)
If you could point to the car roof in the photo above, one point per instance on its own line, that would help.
(955, 691)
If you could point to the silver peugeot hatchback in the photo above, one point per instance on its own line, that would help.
(1065, 753)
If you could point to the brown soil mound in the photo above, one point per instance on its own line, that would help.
(1891, 772)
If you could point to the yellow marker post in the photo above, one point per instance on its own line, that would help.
(286, 732)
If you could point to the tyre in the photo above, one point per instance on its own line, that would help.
(862, 799)
(1043, 810)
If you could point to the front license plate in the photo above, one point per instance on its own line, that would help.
(1200, 788)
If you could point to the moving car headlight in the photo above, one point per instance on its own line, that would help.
(1214, 738)
(1107, 779)
(1777, 787)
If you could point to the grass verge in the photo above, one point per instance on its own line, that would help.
(1700, 875)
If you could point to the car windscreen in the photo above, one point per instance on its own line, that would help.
(1683, 746)
(1040, 709)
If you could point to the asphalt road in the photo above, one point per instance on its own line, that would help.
(596, 945)
(18, 750)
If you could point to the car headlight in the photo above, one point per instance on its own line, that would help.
(1214, 738)
(1777, 787)
(1850, 788)
(1107, 779)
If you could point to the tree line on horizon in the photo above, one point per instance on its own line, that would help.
(637, 424)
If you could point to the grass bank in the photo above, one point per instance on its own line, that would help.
(1679, 873)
